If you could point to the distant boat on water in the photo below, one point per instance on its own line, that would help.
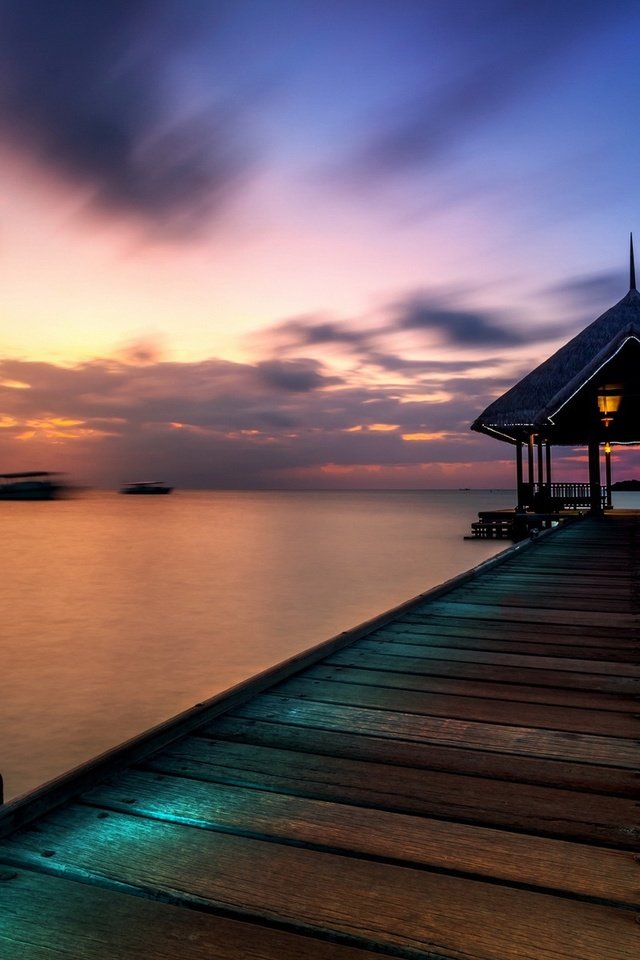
(29, 485)
(146, 487)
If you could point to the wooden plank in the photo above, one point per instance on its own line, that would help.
(535, 614)
(513, 644)
(569, 573)
(518, 740)
(450, 664)
(562, 774)
(569, 579)
(533, 663)
(548, 864)
(560, 546)
(350, 693)
(550, 602)
(79, 921)
(554, 606)
(453, 664)
(624, 633)
(485, 689)
(497, 630)
(569, 589)
(613, 821)
(579, 566)
(601, 637)
(574, 572)
(362, 900)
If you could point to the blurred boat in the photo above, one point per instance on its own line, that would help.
(29, 485)
(146, 487)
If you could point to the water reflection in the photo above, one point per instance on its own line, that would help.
(122, 611)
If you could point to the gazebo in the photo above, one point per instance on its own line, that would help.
(587, 394)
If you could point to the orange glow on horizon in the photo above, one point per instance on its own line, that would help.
(422, 437)
(387, 476)
(56, 429)
(15, 384)
(336, 468)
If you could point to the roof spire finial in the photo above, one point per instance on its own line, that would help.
(632, 267)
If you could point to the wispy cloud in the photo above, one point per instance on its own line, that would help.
(470, 328)
(322, 395)
(593, 292)
(91, 90)
(456, 326)
(216, 423)
(439, 313)
(499, 48)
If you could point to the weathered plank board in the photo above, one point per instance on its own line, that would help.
(572, 564)
(529, 593)
(587, 871)
(591, 817)
(432, 756)
(513, 644)
(499, 630)
(531, 602)
(467, 687)
(571, 584)
(445, 663)
(502, 738)
(466, 667)
(624, 632)
(363, 900)
(350, 693)
(537, 613)
(51, 918)
(565, 665)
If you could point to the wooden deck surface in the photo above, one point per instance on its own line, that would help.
(462, 781)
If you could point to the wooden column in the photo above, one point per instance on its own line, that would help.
(519, 497)
(549, 466)
(607, 464)
(540, 464)
(594, 473)
(530, 456)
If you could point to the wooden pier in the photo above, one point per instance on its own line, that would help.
(457, 779)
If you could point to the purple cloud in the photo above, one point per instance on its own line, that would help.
(216, 423)
(87, 88)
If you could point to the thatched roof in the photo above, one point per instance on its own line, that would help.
(533, 403)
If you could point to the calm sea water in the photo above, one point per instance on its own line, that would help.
(119, 612)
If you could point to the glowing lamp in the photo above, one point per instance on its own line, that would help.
(609, 402)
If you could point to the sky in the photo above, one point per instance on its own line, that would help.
(303, 243)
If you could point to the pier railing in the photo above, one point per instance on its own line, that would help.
(560, 496)
(540, 505)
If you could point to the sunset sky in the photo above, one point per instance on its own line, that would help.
(303, 243)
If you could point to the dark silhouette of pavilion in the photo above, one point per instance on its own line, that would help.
(586, 394)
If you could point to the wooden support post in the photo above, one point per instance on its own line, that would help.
(594, 475)
(530, 455)
(549, 466)
(540, 463)
(607, 464)
(519, 492)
